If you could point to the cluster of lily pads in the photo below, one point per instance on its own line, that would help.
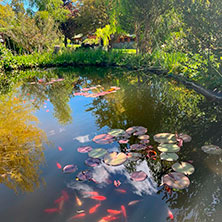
(96, 91)
(169, 145)
(98, 155)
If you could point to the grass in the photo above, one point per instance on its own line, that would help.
(130, 51)
(77, 57)
(192, 67)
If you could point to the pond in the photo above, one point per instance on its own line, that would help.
(47, 116)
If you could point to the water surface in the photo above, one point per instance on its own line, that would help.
(159, 104)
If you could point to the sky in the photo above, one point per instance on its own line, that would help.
(26, 4)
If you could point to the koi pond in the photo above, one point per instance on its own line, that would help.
(95, 145)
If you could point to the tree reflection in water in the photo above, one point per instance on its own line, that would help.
(21, 145)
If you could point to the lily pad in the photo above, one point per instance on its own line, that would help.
(144, 141)
(131, 130)
(97, 153)
(168, 148)
(176, 180)
(186, 138)
(138, 147)
(123, 141)
(183, 167)
(84, 149)
(165, 138)
(84, 175)
(92, 162)
(140, 130)
(103, 139)
(212, 149)
(116, 132)
(133, 156)
(69, 168)
(143, 137)
(138, 176)
(115, 159)
(169, 156)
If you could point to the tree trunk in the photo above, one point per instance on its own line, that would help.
(137, 30)
(65, 41)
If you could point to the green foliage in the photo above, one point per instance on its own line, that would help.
(6, 58)
(53, 7)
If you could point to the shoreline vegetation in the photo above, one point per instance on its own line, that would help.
(172, 38)
(170, 65)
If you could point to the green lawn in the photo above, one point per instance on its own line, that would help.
(130, 51)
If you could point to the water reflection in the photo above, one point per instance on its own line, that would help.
(156, 103)
(21, 146)
(58, 94)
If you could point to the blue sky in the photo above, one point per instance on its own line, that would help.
(26, 3)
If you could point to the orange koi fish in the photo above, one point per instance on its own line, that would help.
(58, 165)
(116, 183)
(92, 193)
(108, 218)
(120, 190)
(78, 201)
(60, 148)
(61, 204)
(98, 198)
(124, 212)
(61, 198)
(110, 90)
(78, 216)
(170, 215)
(93, 209)
(51, 210)
(110, 211)
(65, 195)
(133, 202)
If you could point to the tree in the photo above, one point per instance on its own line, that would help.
(6, 15)
(85, 17)
(139, 16)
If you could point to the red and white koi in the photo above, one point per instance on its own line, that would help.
(133, 202)
(120, 190)
(170, 214)
(116, 183)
